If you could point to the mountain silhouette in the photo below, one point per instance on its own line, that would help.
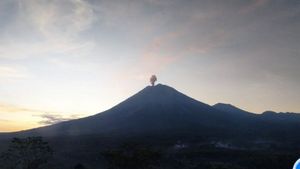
(163, 111)
(155, 109)
(231, 108)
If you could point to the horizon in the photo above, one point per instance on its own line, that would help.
(54, 119)
(61, 60)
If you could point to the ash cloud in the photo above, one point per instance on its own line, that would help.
(153, 79)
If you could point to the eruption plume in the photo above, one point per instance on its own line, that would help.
(153, 79)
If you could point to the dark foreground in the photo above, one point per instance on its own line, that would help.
(149, 153)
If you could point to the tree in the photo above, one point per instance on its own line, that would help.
(26, 153)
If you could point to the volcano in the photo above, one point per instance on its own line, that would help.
(163, 111)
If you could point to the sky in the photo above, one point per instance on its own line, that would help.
(66, 59)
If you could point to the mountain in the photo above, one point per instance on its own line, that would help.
(287, 117)
(232, 109)
(270, 116)
(268, 124)
(185, 133)
(156, 109)
(163, 111)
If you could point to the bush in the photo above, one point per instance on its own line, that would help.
(27, 153)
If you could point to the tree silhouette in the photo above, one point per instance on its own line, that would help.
(26, 153)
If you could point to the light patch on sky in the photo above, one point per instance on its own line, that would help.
(81, 57)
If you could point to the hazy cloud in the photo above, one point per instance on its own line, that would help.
(49, 119)
(8, 108)
(253, 5)
(44, 27)
(4, 120)
(15, 117)
(8, 71)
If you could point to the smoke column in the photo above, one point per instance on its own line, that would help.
(153, 79)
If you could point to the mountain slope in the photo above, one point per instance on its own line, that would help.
(163, 111)
(153, 110)
(269, 124)
(230, 108)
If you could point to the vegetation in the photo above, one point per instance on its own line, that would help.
(131, 156)
(101, 153)
(26, 153)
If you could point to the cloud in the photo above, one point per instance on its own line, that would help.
(57, 18)
(49, 119)
(8, 71)
(194, 33)
(255, 4)
(8, 108)
(38, 28)
(5, 120)
(15, 118)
